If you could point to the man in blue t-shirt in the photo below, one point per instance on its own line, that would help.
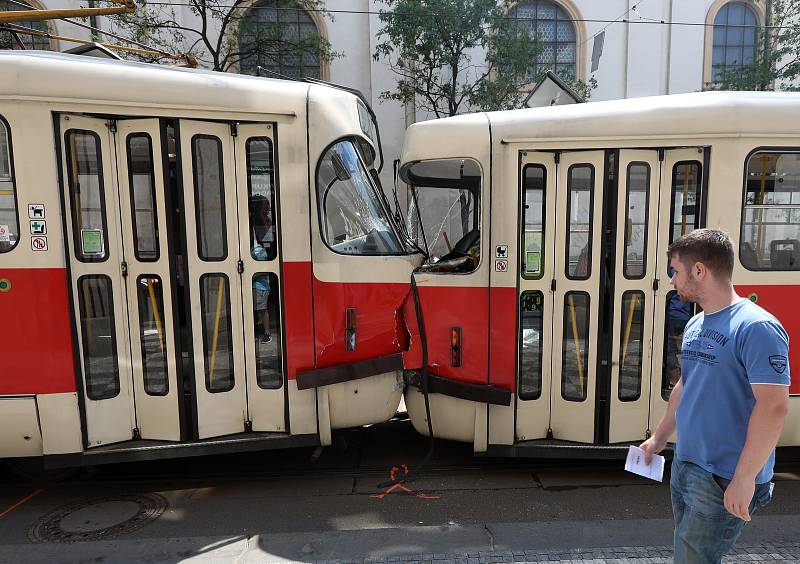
(728, 407)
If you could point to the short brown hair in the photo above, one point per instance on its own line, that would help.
(712, 247)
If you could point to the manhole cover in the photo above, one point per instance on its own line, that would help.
(98, 519)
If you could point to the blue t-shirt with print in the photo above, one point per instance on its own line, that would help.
(723, 354)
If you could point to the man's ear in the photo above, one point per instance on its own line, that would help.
(699, 270)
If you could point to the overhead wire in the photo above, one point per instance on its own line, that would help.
(620, 19)
(98, 30)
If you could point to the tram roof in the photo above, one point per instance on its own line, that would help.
(658, 117)
(45, 75)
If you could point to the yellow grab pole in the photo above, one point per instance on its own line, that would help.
(685, 198)
(581, 377)
(156, 314)
(628, 323)
(216, 333)
(447, 242)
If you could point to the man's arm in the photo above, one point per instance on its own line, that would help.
(763, 431)
(665, 428)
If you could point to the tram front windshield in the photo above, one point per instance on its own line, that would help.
(353, 218)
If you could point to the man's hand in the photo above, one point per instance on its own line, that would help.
(652, 446)
(738, 496)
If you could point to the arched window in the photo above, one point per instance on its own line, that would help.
(7, 39)
(281, 38)
(735, 37)
(552, 26)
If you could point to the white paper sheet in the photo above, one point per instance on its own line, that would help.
(635, 463)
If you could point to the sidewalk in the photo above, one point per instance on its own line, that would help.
(769, 539)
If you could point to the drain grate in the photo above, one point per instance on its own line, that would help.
(98, 519)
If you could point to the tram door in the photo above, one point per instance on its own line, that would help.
(559, 292)
(120, 278)
(224, 171)
(658, 201)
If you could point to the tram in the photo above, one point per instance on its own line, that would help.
(190, 262)
(549, 322)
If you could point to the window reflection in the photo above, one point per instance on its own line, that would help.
(353, 219)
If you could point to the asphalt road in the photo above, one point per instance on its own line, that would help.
(281, 505)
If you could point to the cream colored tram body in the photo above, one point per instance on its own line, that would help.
(190, 262)
(554, 326)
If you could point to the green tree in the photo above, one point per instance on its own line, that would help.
(776, 61)
(229, 36)
(430, 45)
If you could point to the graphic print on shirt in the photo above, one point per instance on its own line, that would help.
(778, 363)
(699, 345)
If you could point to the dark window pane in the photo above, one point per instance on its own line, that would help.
(267, 337)
(150, 294)
(631, 346)
(87, 196)
(261, 195)
(209, 191)
(99, 337)
(551, 27)
(7, 40)
(575, 349)
(770, 238)
(636, 218)
(141, 178)
(531, 306)
(580, 189)
(217, 335)
(684, 212)
(677, 315)
(9, 236)
(534, 195)
(280, 39)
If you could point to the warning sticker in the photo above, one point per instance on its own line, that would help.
(5, 234)
(38, 243)
(501, 265)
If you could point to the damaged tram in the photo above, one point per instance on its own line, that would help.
(190, 262)
(549, 325)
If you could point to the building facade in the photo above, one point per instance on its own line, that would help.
(641, 54)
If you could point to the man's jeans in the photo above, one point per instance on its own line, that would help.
(704, 530)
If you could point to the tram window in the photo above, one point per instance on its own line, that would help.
(87, 198)
(99, 337)
(261, 198)
(217, 334)
(152, 334)
(209, 190)
(444, 214)
(534, 193)
(141, 179)
(353, 220)
(630, 350)
(637, 202)
(678, 314)
(580, 202)
(531, 305)
(575, 349)
(267, 330)
(684, 216)
(9, 223)
(770, 238)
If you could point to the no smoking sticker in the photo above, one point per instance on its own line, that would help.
(38, 243)
(501, 265)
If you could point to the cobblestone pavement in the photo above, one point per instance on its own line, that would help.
(766, 552)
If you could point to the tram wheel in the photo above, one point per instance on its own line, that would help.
(33, 470)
